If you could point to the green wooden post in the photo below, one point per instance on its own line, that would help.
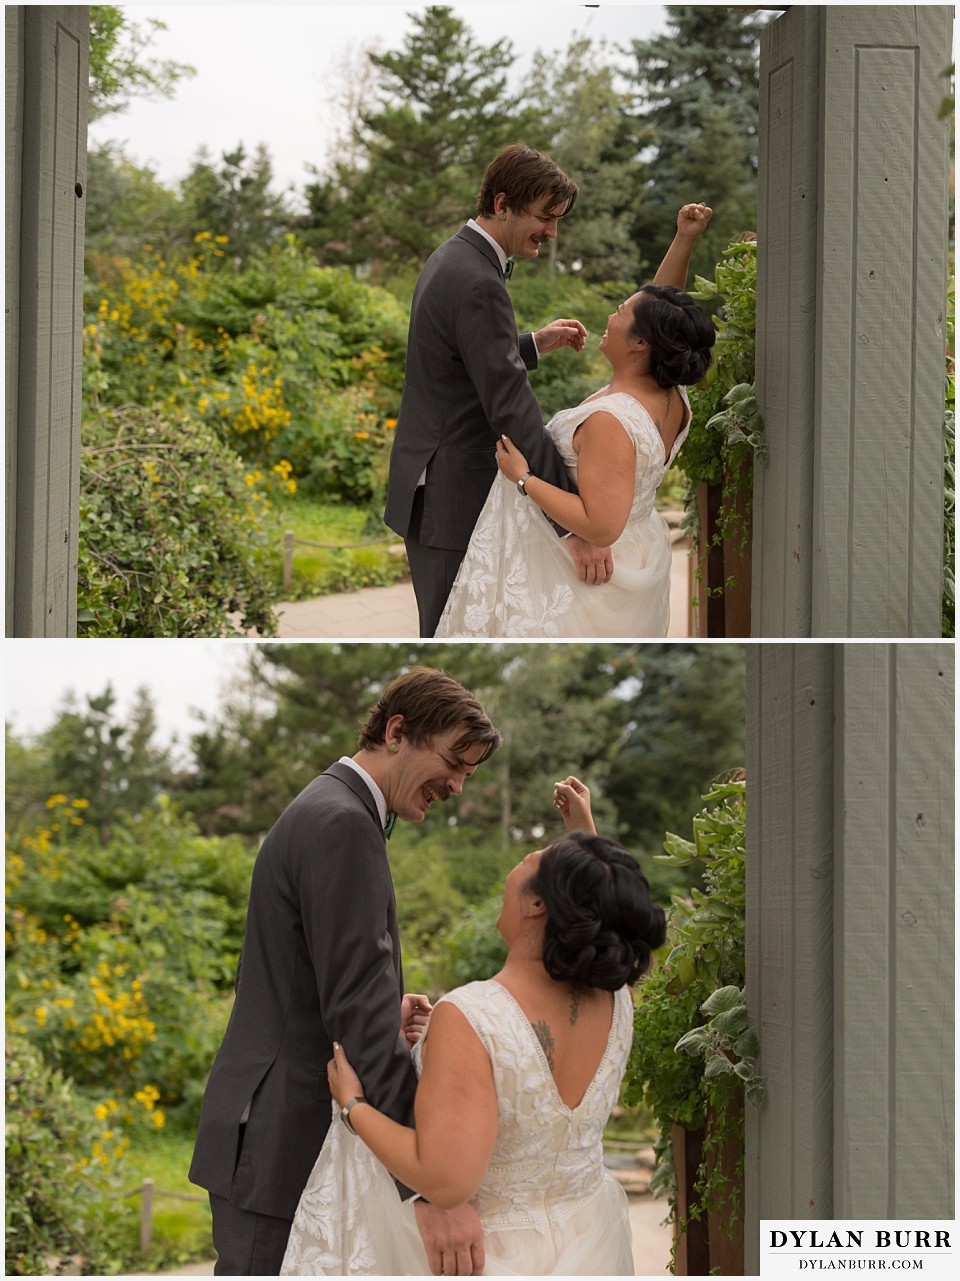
(851, 305)
(850, 931)
(46, 129)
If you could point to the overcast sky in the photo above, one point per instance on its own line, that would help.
(182, 675)
(266, 72)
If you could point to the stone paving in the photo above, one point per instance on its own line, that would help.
(379, 613)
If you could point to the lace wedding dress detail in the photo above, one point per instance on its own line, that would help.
(546, 1202)
(517, 578)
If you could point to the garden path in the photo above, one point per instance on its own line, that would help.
(651, 1242)
(374, 613)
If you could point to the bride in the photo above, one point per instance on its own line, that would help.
(518, 1077)
(517, 578)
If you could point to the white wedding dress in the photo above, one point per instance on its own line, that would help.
(546, 1203)
(517, 577)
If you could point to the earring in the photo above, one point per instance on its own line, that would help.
(394, 747)
(502, 217)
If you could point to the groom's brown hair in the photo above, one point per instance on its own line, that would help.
(430, 702)
(525, 176)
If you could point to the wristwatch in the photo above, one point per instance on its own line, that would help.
(522, 483)
(345, 1112)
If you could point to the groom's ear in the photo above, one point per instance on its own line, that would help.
(393, 732)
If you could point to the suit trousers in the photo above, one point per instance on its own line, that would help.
(247, 1244)
(432, 569)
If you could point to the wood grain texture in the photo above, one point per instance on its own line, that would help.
(852, 224)
(786, 322)
(54, 60)
(894, 1089)
(789, 929)
(13, 133)
(850, 931)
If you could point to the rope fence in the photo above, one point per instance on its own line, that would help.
(146, 1191)
(289, 540)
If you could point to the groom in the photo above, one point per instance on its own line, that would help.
(466, 379)
(321, 962)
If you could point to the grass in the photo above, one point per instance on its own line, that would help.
(319, 572)
(181, 1229)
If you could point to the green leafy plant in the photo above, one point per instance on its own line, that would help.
(61, 1183)
(694, 1055)
(172, 530)
(726, 434)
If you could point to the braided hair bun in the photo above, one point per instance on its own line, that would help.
(679, 333)
(601, 928)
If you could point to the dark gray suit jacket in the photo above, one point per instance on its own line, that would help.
(320, 962)
(465, 384)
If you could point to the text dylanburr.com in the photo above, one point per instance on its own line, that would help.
(809, 1247)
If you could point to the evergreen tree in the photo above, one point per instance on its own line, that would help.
(126, 208)
(697, 97)
(579, 122)
(684, 725)
(111, 763)
(233, 199)
(442, 113)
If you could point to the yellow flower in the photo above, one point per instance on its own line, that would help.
(390, 423)
(361, 435)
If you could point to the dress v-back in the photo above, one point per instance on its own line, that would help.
(517, 578)
(546, 1202)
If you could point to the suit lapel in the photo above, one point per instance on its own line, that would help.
(344, 774)
(480, 242)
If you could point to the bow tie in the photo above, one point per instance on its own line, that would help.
(391, 824)
(508, 270)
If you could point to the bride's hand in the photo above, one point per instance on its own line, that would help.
(343, 1081)
(692, 220)
(510, 460)
(572, 799)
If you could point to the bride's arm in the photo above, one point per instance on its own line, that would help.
(445, 1157)
(691, 223)
(606, 467)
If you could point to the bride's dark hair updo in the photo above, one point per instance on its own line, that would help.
(679, 333)
(601, 927)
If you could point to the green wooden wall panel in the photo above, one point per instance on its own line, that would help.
(852, 224)
(786, 323)
(54, 54)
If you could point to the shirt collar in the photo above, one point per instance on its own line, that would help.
(379, 799)
(475, 226)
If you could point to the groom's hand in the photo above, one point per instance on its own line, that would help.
(560, 333)
(414, 1015)
(453, 1240)
(593, 564)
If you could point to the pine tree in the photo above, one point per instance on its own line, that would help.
(579, 123)
(442, 113)
(111, 763)
(698, 100)
(233, 199)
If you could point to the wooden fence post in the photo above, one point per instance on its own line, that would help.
(146, 1216)
(287, 559)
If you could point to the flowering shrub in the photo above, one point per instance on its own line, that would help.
(62, 1175)
(288, 362)
(173, 530)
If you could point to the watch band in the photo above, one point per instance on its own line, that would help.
(522, 483)
(345, 1112)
